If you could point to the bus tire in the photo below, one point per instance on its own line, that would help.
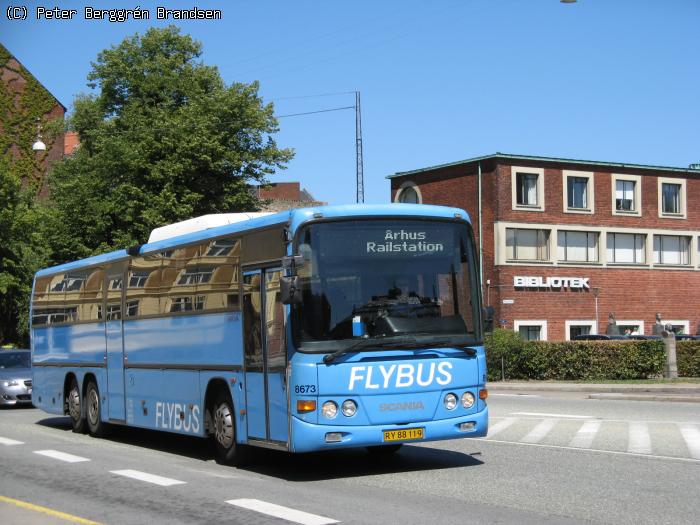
(384, 450)
(93, 410)
(228, 452)
(75, 409)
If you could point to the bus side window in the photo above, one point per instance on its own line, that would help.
(274, 317)
(178, 279)
(219, 290)
(142, 287)
(90, 295)
(40, 301)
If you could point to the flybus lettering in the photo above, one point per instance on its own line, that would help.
(402, 376)
(176, 417)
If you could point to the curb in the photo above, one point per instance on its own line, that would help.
(687, 390)
(646, 397)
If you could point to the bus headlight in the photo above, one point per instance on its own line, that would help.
(468, 400)
(329, 410)
(450, 401)
(349, 408)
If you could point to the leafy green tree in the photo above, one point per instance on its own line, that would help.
(23, 250)
(165, 139)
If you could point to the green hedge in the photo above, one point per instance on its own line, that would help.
(584, 360)
(688, 358)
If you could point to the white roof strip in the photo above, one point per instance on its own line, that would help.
(204, 222)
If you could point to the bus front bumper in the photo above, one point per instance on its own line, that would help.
(309, 437)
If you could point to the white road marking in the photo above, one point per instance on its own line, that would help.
(278, 511)
(540, 414)
(598, 451)
(491, 394)
(498, 427)
(691, 435)
(62, 456)
(639, 438)
(10, 442)
(586, 434)
(150, 478)
(538, 433)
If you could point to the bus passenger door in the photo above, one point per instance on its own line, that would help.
(265, 356)
(115, 343)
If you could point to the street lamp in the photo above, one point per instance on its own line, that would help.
(39, 144)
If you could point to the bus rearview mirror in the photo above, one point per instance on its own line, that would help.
(289, 289)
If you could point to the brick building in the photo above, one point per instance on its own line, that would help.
(565, 243)
(280, 196)
(24, 104)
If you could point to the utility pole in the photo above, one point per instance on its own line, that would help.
(358, 150)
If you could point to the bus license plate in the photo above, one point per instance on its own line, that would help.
(404, 434)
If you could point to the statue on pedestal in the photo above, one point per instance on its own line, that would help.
(612, 328)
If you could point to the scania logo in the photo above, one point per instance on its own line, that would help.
(412, 405)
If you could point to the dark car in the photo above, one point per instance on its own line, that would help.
(15, 377)
(687, 337)
(598, 337)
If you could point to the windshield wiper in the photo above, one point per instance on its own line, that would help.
(365, 343)
(393, 341)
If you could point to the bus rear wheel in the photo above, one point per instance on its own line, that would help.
(228, 452)
(93, 407)
(75, 409)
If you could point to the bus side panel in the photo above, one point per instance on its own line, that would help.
(197, 340)
(165, 357)
(65, 345)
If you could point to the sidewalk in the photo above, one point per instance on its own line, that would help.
(683, 392)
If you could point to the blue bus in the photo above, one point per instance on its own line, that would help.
(310, 329)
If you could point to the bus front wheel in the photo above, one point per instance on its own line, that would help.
(228, 452)
(93, 407)
(75, 409)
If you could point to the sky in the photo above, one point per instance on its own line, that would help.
(440, 81)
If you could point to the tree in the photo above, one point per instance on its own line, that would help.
(164, 140)
(23, 250)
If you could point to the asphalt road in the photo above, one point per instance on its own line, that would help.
(548, 459)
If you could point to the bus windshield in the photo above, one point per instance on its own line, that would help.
(374, 279)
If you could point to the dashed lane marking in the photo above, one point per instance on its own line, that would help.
(538, 433)
(278, 511)
(61, 456)
(639, 438)
(150, 478)
(500, 426)
(540, 414)
(586, 434)
(691, 435)
(10, 442)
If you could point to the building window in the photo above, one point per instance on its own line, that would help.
(671, 249)
(626, 248)
(574, 328)
(575, 246)
(677, 326)
(527, 188)
(578, 191)
(198, 276)
(409, 193)
(672, 198)
(630, 327)
(626, 195)
(531, 330)
(527, 245)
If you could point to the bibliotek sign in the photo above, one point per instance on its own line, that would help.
(521, 281)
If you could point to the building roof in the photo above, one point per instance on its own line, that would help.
(557, 160)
